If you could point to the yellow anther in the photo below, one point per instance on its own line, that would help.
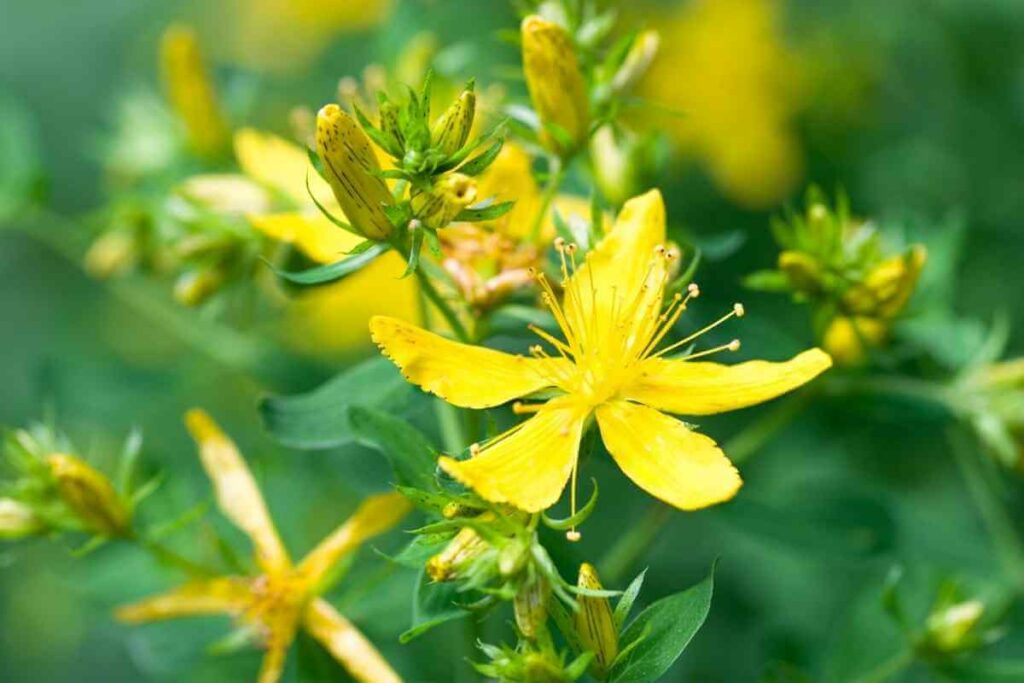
(573, 536)
(738, 310)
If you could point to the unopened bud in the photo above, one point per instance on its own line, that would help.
(802, 271)
(111, 254)
(349, 167)
(389, 123)
(637, 62)
(847, 338)
(554, 81)
(195, 286)
(948, 629)
(512, 558)
(595, 624)
(191, 92)
(451, 130)
(18, 520)
(530, 606)
(89, 494)
(439, 207)
(466, 546)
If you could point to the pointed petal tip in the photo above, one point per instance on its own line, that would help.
(201, 426)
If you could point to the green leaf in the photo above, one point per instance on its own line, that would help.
(670, 624)
(433, 604)
(332, 272)
(487, 213)
(320, 418)
(479, 163)
(406, 448)
(625, 603)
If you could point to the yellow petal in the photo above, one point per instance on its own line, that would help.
(227, 595)
(663, 457)
(618, 268)
(281, 165)
(695, 388)
(274, 658)
(528, 465)
(347, 645)
(316, 236)
(376, 515)
(226, 193)
(237, 494)
(462, 374)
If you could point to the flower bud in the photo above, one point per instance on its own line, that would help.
(892, 282)
(802, 271)
(848, 338)
(530, 606)
(622, 163)
(595, 624)
(513, 557)
(349, 167)
(554, 81)
(191, 92)
(637, 61)
(195, 286)
(89, 494)
(451, 130)
(466, 546)
(450, 195)
(18, 520)
(948, 630)
(389, 123)
(112, 253)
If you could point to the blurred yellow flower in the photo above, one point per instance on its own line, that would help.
(284, 36)
(607, 366)
(723, 67)
(191, 92)
(285, 596)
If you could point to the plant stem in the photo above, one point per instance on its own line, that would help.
(171, 558)
(556, 174)
(889, 668)
(624, 554)
(446, 311)
(1008, 543)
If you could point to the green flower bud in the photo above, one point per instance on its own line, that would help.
(195, 286)
(439, 207)
(89, 494)
(465, 547)
(18, 520)
(638, 60)
(112, 253)
(530, 606)
(389, 124)
(553, 78)
(349, 167)
(451, 130)
(949, 629)
(802, 271)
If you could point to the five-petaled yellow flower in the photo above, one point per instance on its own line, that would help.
(607, 366)
(284, 598)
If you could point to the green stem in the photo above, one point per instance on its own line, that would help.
(1008, 543)
(556, 175)
(623, 556)
(171, 558)
(428, 289)
(889, 668)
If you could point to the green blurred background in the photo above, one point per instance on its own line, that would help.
(916, 108)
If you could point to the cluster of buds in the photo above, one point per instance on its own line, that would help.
(578, 78)
(838, 265)
(528, 662)
(436, 160)
(54, 491)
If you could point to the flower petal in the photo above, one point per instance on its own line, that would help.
(679, 386)
(528, 465)
(376, 515)
(663, 457)
(347, 645)
(462, 374)
(226, 595)
(281, 165)
(617, 278)
(237, 494)
(315, 235)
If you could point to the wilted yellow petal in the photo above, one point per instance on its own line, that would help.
(281, 165)
(376, 515)
(462, 374)
(528, 465)
(696, 388)
(226, 595)
(663, 457)
(314, 234)
(237, 494)
(347, 645)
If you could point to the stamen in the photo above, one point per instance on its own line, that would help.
(573, 535)
(736, 312)
(520, 408)
(734, 345)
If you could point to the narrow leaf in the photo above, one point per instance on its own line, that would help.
(332, 272)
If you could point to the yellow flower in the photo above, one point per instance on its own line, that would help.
(285, 596)
(723, 66)
(191, 92)
(607, 368)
